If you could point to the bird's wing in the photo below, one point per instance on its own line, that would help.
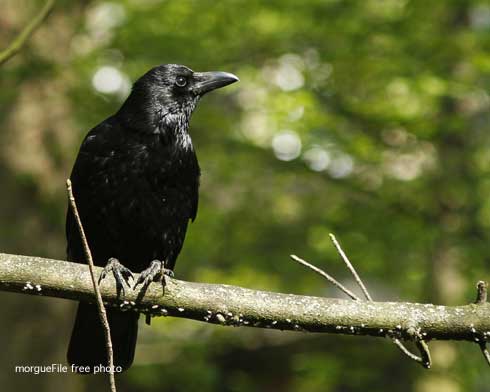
(195, 192)
(89, 164)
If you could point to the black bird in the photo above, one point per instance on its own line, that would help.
(136, 181)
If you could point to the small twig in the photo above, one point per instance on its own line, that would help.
(481, 292)
(405, 351)
(100, 304)
(484, 350)
(424, 359)
(424, 352)
(19, 42)
(332, 280)
(350, 267)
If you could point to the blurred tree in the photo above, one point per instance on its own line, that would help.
(365, 118)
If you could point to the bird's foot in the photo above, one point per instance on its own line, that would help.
(121, 275)
(155, 272)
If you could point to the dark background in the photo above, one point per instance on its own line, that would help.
(368, 119)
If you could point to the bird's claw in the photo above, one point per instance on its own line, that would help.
(154, 272)
(121, 275)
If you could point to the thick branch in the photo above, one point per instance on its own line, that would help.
(231, 305)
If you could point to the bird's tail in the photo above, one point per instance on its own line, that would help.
(88, 345)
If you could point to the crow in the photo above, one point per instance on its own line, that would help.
(135, 181)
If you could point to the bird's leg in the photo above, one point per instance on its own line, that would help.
(167, 271)
(156, 271)
(120, 272)
(150, 274)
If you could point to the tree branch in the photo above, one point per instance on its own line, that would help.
(424, 358)
(350, 267)
(330, 278)
(19, 42)
(236, 306)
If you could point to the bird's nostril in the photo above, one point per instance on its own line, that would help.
(209, 81)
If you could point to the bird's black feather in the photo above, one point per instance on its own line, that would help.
(135, 182)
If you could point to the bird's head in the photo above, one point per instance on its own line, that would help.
(166, 96)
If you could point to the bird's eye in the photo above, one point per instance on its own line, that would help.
(181, 81)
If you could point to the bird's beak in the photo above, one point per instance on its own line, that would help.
(209, 81)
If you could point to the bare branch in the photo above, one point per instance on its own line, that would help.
(19, 42)
(481, 292)
(98, 296)
(484, 350)
(350, 267)
(331, 279)
(405, 351)
(424, 359)
(236, 306)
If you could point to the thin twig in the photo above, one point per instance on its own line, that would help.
(424, 352)
(484, 350)
(481, 292)
(18, 43)
(350, 267)
(326, 276)
(100, 304)
(424, 359)
(405, 351)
